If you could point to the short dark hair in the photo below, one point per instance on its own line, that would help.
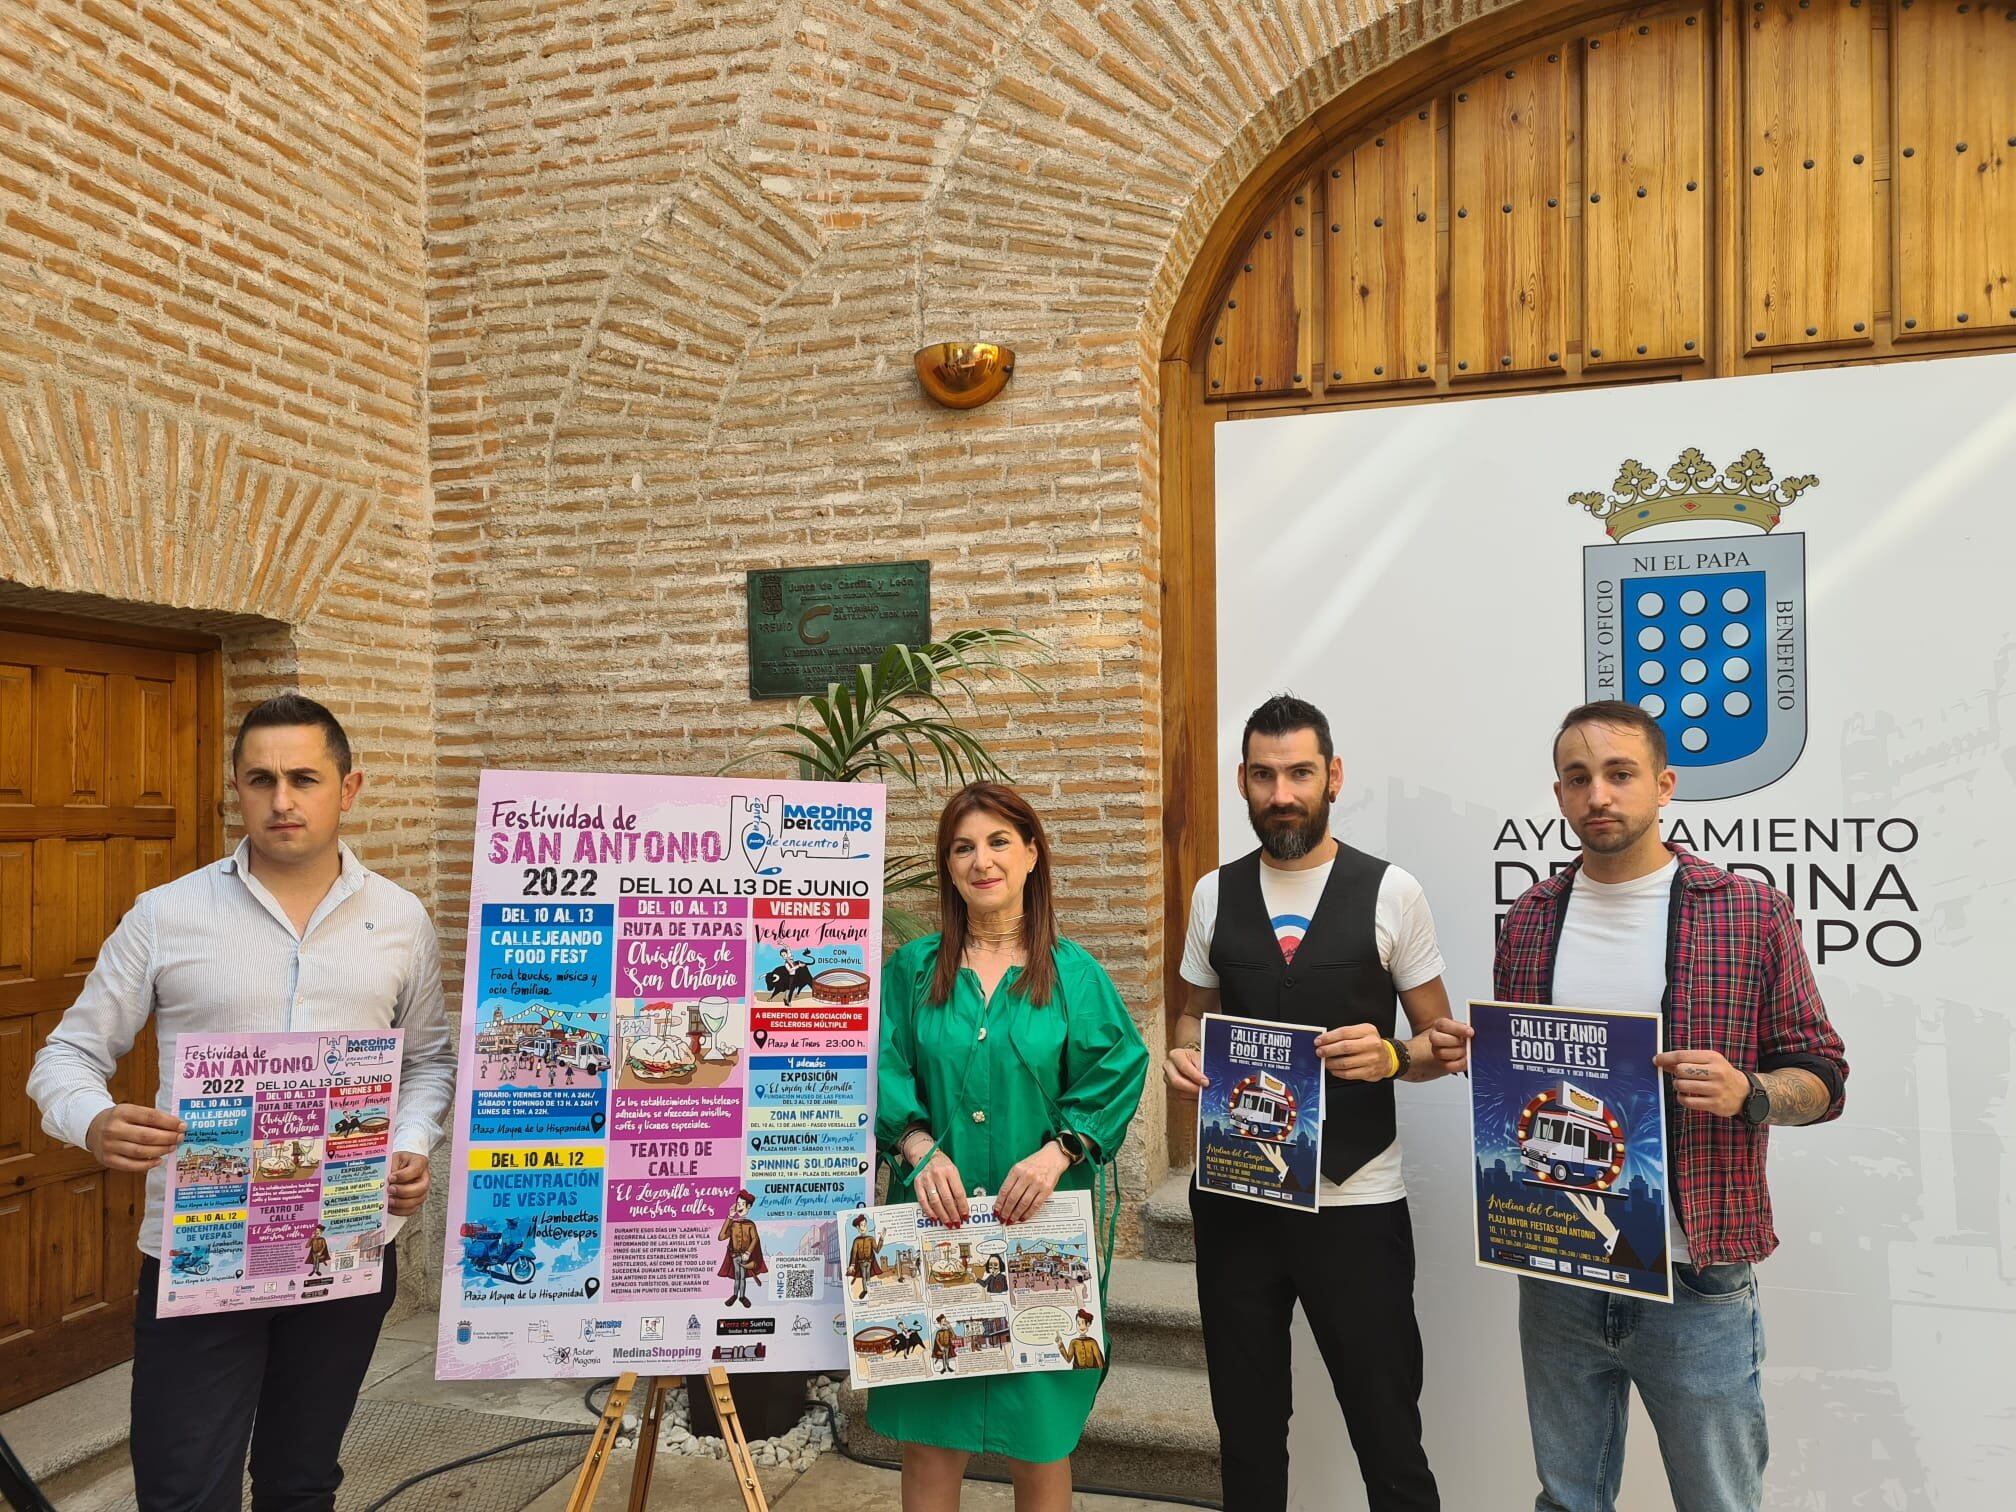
(1284, 714)
(1618, 714)
(295, 709)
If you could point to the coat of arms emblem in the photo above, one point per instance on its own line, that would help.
(1697, 613)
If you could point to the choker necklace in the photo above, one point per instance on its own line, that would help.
(1006, 935)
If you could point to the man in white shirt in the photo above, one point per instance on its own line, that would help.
(289, 932)
(1310, 931)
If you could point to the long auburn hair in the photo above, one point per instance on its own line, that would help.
(1039, 918)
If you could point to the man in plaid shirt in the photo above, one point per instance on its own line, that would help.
(1637, 924)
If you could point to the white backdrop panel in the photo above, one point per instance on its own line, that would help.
(1418, 573)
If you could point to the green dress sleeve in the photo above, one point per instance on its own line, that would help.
(899, 1101)
(1105, 1059)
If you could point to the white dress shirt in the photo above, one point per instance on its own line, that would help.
(214, 953)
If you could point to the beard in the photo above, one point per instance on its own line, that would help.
(1616, 841)
(1289, 836)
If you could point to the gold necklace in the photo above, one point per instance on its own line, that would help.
(994, 939)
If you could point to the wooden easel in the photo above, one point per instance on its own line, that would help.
(589, 1481)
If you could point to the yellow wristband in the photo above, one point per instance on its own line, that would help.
(1393, 1059)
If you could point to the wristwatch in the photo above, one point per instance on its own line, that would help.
(1402, 1054)
(1756, 1109)
(1073, 1145)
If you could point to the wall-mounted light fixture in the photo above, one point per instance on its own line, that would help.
(964, 374)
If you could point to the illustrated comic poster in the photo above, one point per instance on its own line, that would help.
(931, 1303)
(668, 1020)
(1568, 1122)
(1260, 1119)
(276, 1194)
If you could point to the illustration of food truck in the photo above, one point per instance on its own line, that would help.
(1570, 1141)
(1261, 1108)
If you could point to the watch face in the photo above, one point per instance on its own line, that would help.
(1757, 1106)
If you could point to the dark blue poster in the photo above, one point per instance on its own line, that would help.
(1260, 1121)
(1568, 1120)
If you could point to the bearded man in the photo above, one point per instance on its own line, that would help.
(1307, 930)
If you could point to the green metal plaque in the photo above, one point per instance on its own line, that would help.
(810, 626)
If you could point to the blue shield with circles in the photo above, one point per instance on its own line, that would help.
(1709, 637)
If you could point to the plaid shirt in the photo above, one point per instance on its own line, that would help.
(1737, 981)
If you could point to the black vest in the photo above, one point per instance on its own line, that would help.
(1336, 979)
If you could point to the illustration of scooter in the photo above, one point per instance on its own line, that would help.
(507, 1256)
(194, 1261)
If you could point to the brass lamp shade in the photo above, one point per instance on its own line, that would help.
(964, 374)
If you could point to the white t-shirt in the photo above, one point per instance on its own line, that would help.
(1405, 931)
(1613, 955)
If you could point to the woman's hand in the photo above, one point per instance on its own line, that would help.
(1030, 1183)
(940, 1192)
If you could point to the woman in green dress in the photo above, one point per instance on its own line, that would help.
(1009, 1065)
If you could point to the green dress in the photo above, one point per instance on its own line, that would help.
(1013, 1062)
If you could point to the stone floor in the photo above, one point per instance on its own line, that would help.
(74, 1442)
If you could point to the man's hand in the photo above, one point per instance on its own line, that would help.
(128, 1137)
(1030, 1183)
(940, 1192)
(406, 1184)
(1450, 1040)
(1357, 1052)
(1183, 1069)
(1704, 1081)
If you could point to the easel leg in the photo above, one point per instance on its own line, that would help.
(647, 1442)
(589, 1481)
(738, 1446)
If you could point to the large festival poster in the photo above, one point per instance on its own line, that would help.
(668, 1020)
(276, 1195)
(1568, 1125)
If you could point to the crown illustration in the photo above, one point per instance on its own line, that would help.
(1746, 492)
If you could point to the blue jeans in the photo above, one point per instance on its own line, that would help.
(1697, 1364)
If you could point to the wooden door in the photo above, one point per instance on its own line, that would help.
(99, 781)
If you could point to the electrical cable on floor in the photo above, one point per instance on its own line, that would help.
(587, 1401)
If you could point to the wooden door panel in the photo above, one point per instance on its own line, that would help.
(70, 911)
(17, 915)
(69, 1224)
(1808, 175)
(1645, 220)
(1380, 274)
(20, 1123)
(17, 1269)
(1508, 154)
(17, 724)
(1955, 95)
(99, 801)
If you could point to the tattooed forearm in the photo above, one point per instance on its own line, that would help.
(1797, 1097)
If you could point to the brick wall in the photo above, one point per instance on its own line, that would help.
(212, 325)
(456, 361)
(679, 256)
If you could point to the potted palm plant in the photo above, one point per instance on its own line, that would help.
(896, 722)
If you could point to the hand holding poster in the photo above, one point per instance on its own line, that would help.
(929, 1303)
(1568, 1122)
(276, 1194)
(666, 1030)
(1260, 1119)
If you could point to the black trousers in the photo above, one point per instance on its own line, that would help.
(1352, 1269)
(283, 1379)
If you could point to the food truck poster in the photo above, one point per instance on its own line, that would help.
(1260, 1119)
(667, 1074)
(1568, 1122)
(931, 1303)
(276, 1195)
